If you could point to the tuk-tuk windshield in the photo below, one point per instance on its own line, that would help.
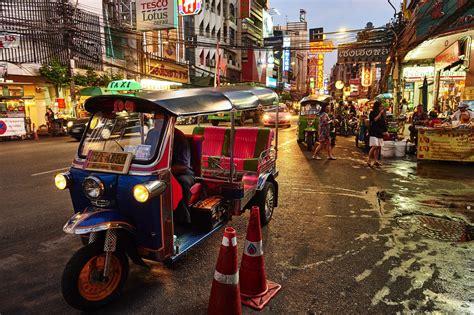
(138, 133)
(310, 108)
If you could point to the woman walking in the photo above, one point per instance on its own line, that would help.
(324, 135)
(377, 128)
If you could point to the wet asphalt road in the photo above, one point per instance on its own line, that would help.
(332, 244)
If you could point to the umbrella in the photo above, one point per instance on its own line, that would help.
(384, 96)
(424, 94)
(91, 91)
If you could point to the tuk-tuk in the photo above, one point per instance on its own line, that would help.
(308, 119)
(124, 193)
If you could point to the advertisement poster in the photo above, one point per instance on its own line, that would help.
(12, 127)
(445, 145)
(169, 71)
(156, 14)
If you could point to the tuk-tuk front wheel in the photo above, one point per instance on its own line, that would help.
(265, 200)
(83, 284)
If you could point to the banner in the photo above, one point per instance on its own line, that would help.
(9, 40)
(169, 71)
(245, 8)
(156, 14)
(12, 127)
(445, 145)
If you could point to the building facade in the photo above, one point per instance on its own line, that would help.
(216, 25)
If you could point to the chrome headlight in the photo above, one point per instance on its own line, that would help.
(93, 187)
(143, 192)
(62, 180)
(70, 124)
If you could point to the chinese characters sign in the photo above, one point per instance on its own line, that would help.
(156, 14)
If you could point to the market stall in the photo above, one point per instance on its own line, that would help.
(14, 120)
(446, 143)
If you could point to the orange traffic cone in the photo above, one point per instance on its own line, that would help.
(225, 293)
(256, 291)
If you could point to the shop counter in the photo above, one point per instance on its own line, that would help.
(446, 144)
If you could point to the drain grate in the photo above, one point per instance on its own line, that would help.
(437, 228)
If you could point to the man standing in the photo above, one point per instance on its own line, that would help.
(182, 171)
(463, 114)
(420, 118)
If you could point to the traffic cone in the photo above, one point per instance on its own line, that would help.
(225, 293)
(255, 290)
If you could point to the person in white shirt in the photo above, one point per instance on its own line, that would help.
(463, 114)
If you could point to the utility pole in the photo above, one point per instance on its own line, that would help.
(68, 23)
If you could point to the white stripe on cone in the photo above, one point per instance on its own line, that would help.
(227, 279)
(225, 241)
(253, 249)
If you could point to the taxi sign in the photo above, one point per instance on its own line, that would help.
(189, 7)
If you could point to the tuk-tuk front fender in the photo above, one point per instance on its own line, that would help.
(96, 220)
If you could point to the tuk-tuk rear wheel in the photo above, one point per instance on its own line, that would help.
(265, 200)
(82, 283)
(309, 141)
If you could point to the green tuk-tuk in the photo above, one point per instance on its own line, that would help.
(308, 119)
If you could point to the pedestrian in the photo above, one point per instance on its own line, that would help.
(49, 117)
(324, 135)
(419, 119)
(377, 128)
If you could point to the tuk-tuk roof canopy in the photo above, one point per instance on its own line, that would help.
(317, 98)
(187, 102)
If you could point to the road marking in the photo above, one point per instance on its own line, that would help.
(52, 171)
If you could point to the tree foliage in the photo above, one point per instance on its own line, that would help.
(56, 73)
(92, 78)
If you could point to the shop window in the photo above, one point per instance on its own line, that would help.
(201, 57)
(201, 28)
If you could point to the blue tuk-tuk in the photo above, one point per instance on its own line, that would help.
(124, 193)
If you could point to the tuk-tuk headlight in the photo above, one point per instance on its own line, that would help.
(62, 180)
(266, 117)
(143, 192)
(93, 187)
(70, 124)
(140, 193)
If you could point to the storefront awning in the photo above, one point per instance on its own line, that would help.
(429, 49)
(92, 91)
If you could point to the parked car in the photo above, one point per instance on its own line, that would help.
(75, 128)
(284, 117)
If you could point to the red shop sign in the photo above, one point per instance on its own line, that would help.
(447, 57)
